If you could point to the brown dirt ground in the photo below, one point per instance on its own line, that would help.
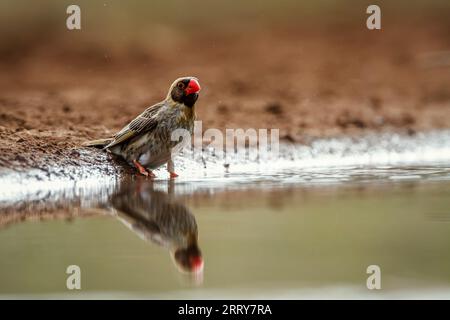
(309, 82)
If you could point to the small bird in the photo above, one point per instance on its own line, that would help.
(146, 141)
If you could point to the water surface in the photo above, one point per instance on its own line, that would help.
(294, 232)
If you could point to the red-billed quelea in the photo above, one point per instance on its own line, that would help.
(146, 142)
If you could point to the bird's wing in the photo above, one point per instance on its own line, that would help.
(146, 121)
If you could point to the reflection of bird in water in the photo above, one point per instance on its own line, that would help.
(154, 216)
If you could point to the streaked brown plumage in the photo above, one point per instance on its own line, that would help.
(146, 141)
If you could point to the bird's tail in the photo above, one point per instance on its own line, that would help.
(100, 143)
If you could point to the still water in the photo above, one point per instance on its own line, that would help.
(292, 234)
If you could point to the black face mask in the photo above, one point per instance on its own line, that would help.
(190, 99)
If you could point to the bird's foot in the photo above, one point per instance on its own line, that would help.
(173, 175)
(142, 170)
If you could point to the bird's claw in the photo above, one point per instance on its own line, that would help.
(142, 170)
(147, 173)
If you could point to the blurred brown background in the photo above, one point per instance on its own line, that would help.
(310, 68)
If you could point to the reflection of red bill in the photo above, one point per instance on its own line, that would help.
(197, 264)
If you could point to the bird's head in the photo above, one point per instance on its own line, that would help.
(189, 260)
(185, 90)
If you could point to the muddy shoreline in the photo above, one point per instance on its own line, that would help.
(315, 84)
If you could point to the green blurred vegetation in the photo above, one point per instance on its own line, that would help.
(25, 25)
(113, 17)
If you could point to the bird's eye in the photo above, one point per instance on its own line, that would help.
(180, 85)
